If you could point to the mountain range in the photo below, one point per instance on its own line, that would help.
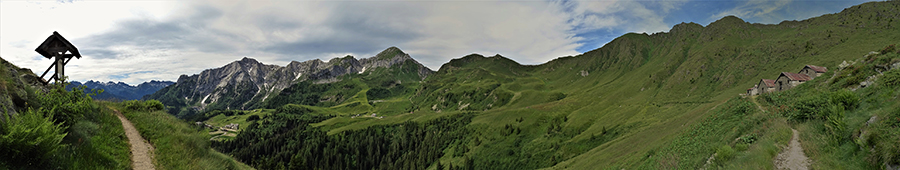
(121, 90)
(246, 83)
(665, 100)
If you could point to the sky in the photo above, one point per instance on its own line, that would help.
(138, 41)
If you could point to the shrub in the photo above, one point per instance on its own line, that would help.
(149, 105)
(557, 96)
(67, 106)
(724, 153)
(890, 79)
(293, 109)
(889, 49)
(809, 107)
(252, 118)
(845, 98)
(834, 123)
(154, 105)
(30, 138)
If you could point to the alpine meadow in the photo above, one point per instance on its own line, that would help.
(668, 100)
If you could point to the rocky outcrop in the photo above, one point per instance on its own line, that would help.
(243, 84)
(14, 88)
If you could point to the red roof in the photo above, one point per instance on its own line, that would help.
(769, 82)
(818, 69)
(795, 76)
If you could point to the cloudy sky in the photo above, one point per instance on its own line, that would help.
(137, 41)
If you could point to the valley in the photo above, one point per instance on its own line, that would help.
(666, 100)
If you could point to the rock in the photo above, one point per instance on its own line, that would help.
(248, 80)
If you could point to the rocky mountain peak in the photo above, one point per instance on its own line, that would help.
(242, 83)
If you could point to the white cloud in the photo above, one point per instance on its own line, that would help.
(757, 11)
(125, 41)
(633, 16)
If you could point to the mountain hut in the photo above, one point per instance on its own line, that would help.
(753, 91)
(788, 80)
(765, 86)
(813, 71)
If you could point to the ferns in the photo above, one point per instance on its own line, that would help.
(30, 138)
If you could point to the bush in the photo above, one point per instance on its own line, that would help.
(30, 138)
(293, 109)
(252, 118)
(890, 79)
(834, 123)
(67, 106)
(809, 107)
(724, 153)
(845, 98)
(149, 105)
(154, 105)
(889, 49)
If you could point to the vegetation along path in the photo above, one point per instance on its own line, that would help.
(792, 157)
(140, 149)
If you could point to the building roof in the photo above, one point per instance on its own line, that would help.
(818, 69)
(769, 82)
(57, 44)
(795, 76)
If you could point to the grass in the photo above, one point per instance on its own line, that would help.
(178, 144)
(667, 99)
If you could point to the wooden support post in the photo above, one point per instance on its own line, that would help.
(60, 64)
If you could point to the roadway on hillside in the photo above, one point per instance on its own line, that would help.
(140, 149)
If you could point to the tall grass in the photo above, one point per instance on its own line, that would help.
(178, 145)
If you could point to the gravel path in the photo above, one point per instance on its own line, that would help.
(140, 149)
(792, 157)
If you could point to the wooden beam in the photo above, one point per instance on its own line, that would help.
(48, 70)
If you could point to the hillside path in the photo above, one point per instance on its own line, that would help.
(792, 157)
(140, 149)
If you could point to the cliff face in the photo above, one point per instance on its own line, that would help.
(17, 87)
(244, 84)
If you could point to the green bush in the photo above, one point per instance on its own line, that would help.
(834, 123)
(889, 49)
(724, 153)
(845, 98)
(149, 105)
(890, 79)
(30, 138)
(809, 107)
(154, 105)
(67, 106)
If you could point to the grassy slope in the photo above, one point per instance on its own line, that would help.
(95, 140)
(646, 91)
(178, 145)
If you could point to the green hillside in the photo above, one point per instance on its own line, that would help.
(643, 101)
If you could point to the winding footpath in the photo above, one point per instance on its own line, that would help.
(792, 157)
(140, 149)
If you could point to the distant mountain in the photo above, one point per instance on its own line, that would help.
(246, 83)
(665, 100)
(121, 90)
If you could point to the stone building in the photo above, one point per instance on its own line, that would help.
(813, 71)
(765, 86)
(788, 80)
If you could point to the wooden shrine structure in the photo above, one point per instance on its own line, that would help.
(58, 48)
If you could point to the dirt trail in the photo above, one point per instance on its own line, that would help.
(753, 99)
(140, 149)
(792, 157)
